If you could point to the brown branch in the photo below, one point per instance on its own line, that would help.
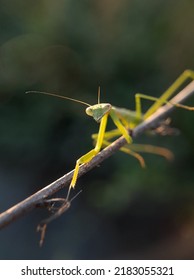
(31, 202)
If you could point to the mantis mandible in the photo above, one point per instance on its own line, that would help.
(124, 120)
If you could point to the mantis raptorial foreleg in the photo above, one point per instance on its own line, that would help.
(87, 157)
(123, 131)
(165, 96)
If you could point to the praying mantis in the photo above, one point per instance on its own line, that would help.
(125, 120)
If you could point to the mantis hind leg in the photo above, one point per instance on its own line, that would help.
(146, 148)
(164, 97)
(135, 149)
(126, 149)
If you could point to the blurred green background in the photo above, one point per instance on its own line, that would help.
(71, 47)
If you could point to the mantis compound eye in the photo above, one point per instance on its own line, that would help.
(89, 111)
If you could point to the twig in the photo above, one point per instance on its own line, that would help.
(63, 208)
(37, 198)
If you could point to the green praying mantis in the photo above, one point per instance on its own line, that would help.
(124, 120)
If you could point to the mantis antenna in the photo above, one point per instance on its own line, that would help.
(59, 96)
(99, 95)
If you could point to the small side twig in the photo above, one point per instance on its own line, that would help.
(32, 201)
(65, 204)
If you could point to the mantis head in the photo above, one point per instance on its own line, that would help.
(97, 111)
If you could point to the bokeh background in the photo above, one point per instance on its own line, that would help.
(71, 47)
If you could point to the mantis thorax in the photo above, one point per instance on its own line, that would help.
(97, 111)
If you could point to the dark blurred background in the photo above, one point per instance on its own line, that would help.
(71, 47)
